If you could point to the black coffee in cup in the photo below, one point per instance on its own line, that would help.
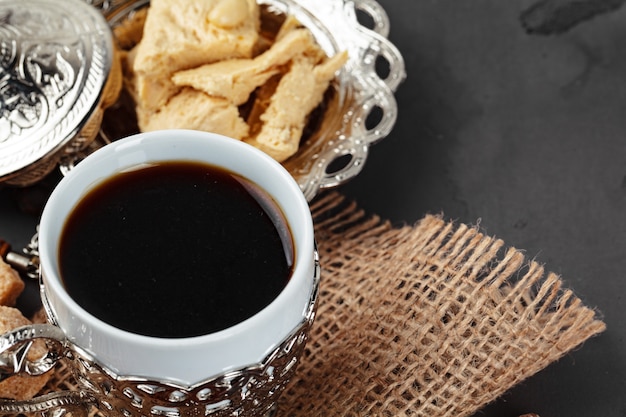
(175, 249)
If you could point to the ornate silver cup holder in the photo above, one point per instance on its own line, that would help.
(249, 391)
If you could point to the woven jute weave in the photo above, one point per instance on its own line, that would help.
(429, 320)
(432, 320)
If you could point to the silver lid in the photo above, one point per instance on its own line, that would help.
(54, 62)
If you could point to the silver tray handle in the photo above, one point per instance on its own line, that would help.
(14, 349)
(16, 344)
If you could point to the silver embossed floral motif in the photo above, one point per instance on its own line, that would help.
(55, 60)
(36, 77)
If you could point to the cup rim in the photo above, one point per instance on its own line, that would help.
(305, 247)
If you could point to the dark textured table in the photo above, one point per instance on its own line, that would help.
(524, 134)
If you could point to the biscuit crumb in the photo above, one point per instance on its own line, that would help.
(11, 285)
(40, 317)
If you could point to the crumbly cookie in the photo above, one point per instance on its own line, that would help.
(180, 34)
(11, 285)
(236, 79)
(192, 109)
(207, 66)
(299, 91)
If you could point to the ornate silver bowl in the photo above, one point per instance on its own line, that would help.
(359, 109)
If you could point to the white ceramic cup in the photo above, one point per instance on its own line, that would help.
(183, 364)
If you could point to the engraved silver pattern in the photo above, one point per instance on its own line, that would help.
(55, 60)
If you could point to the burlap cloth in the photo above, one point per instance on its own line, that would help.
(431, 320)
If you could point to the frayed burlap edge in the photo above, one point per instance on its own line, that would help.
(429, 320)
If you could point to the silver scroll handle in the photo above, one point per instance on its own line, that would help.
(15, 347)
